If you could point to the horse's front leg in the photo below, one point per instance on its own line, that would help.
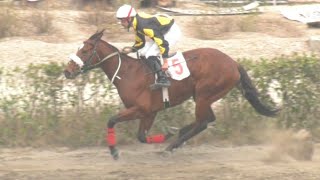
(125, 115)
(146, 123)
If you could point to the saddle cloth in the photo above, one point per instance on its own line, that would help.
(177, 67)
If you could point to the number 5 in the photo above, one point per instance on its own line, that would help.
(177, 66)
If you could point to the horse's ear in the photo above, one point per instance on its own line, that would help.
(102, 31)
(100, 34)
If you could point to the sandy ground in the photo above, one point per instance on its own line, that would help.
(139, 161)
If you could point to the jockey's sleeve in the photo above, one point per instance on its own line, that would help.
(139, 41)
(158, 37)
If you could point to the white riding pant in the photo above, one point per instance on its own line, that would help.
(152, 49)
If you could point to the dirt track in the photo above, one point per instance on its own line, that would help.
(141, 162)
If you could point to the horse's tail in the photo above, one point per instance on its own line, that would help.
(251, 94)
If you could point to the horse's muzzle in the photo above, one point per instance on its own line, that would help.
(69, 75)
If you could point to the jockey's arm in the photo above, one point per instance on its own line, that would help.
(139, 41)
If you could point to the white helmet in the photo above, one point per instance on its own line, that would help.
(126, 11)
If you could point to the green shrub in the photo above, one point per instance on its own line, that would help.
(293, 81)
(39, 107)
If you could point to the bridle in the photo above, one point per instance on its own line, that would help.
(87, 65)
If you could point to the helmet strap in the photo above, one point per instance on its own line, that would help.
(129, 24)
(129, 19)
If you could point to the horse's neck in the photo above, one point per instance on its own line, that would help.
(111, 65)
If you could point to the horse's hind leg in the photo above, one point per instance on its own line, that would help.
(204, 115)
(185, 129)
(145, 125)
(188, 127)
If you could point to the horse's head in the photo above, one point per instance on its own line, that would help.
(85, 58)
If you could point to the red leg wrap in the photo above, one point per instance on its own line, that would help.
(160, 138)
(111, 137)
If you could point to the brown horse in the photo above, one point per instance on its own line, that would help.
(212, 75)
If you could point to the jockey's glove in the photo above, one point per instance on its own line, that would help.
(165, 65)
(127, 50)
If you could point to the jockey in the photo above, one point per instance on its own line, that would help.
(162, 32)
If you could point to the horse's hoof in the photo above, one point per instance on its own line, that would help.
(115, 154)
(166, 154)
(115, 157)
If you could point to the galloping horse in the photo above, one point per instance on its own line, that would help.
(212, 75)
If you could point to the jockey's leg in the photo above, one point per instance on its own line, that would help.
(155, 65)
(173, 35)
(144, 127)
(151, 53)
(143, 51)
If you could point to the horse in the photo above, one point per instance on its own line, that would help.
(212, 75)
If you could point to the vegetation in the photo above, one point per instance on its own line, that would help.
(7, 21)
(39, 107)
(42, 21)
(15, 24)
(292, 82)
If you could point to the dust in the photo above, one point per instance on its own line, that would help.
(288, 145)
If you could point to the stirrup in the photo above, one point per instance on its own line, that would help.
(158, 85)
(164, 84)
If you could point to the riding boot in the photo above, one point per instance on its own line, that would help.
(162, 80)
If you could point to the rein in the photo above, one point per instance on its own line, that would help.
(85, 68)
(89, 67)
